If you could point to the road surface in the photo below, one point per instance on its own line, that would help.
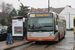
(64, 44)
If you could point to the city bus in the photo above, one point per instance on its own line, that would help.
(46, 26)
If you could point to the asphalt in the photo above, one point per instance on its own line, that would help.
(66, 43)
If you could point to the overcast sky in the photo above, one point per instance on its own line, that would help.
(41, 3)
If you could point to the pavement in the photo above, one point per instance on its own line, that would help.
(66, 43)
(3, 44)
(74, 43)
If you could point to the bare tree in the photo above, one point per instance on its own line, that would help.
(6, 7)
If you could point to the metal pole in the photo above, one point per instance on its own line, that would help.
(69, 20)
(48, 5)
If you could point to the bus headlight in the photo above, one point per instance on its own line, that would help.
(51, 33)
(28, 34)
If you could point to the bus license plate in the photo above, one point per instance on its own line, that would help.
(40, 39)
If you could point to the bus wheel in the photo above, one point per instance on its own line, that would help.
(64, 35)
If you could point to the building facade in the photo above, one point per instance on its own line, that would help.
(67, 12)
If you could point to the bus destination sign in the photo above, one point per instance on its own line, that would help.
(39, 15)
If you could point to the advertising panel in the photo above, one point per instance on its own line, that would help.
(17, 27)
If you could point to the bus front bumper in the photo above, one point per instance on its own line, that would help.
(42, 39)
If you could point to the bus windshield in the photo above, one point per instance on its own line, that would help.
(40, 24)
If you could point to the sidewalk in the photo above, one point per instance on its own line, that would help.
(3, 44)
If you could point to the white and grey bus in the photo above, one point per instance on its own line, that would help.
(47, 26)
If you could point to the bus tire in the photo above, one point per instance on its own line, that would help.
(58, 37)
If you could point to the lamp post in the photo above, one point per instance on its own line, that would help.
(69, 20)
(48, 5)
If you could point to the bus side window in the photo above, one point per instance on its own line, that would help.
(62, 24)
(56, 22)
(56, 19)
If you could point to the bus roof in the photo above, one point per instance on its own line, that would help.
(39, 12)
(60, 17)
